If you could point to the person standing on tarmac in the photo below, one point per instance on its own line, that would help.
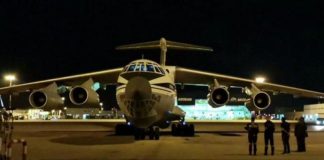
(301, 134)
(253, 130)
(285, 129)
(268, 135)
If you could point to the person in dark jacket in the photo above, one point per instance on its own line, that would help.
(285, 134)
(301, 134)
(268, 135)
(253, 130)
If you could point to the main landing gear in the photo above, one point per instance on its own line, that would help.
(182, 129)
(139, 133)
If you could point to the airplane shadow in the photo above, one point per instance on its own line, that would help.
(224, 133)
(94, 140)
(111, 138)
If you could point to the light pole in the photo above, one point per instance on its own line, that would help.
(260, 79)
(10, 78)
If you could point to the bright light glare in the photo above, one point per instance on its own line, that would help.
(260, 79)
(318, 128)
(10, 77)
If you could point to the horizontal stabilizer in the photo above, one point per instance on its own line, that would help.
(164, 45)
(160, 44)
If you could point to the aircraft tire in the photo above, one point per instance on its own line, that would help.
(142, 133)
(139, 134)
(174, 129)
(151, 133)
(191, 130)
(157, 133)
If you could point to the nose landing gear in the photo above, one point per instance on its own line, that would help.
(152, 132)
(182, 129)
(139, 133)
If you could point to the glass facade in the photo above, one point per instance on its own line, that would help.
(203, 111)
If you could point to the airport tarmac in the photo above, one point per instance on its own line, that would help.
(50, 142)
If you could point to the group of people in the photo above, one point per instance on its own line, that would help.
(253, 130)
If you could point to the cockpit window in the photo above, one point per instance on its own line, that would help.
(138, 67)
(131, 68)
(150, 67)
(157, 69)
(161, 70)
(144, 67)
(125, 68)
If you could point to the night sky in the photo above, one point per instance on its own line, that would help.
(282, 40)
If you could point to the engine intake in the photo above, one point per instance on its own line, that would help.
(218, 97)
(261, 100)
(84, 95)
(46, 98)
(38, 99)
(79, 95)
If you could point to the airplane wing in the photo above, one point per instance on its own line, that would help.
(105, 76)
(190, 76)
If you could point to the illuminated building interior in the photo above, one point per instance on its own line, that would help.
(203, 111)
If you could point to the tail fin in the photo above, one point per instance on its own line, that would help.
(163, 45)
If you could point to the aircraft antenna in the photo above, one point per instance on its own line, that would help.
(163, 45)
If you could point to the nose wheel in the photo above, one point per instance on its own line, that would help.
(152, 132)
(139, 134)
(182, 129)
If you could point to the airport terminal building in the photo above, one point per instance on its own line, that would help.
(314, 113)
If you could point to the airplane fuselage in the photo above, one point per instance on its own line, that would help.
(145, 93)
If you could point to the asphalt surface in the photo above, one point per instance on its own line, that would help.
(58, 141)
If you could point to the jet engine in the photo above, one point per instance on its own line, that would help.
(46, 98)
(84, 95)
(218, 96)
(261, 100)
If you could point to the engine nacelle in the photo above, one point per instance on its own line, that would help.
(46, 98)
(261, 100)
(84, 95)
(219, 96)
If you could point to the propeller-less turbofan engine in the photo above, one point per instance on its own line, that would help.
(260, 100)
(84, 95)
(218, 95)
(46, 98)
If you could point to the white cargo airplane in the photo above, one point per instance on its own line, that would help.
(146, 91)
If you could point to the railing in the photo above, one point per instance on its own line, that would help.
(6, 141)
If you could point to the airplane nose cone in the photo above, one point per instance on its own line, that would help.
(138, 88)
